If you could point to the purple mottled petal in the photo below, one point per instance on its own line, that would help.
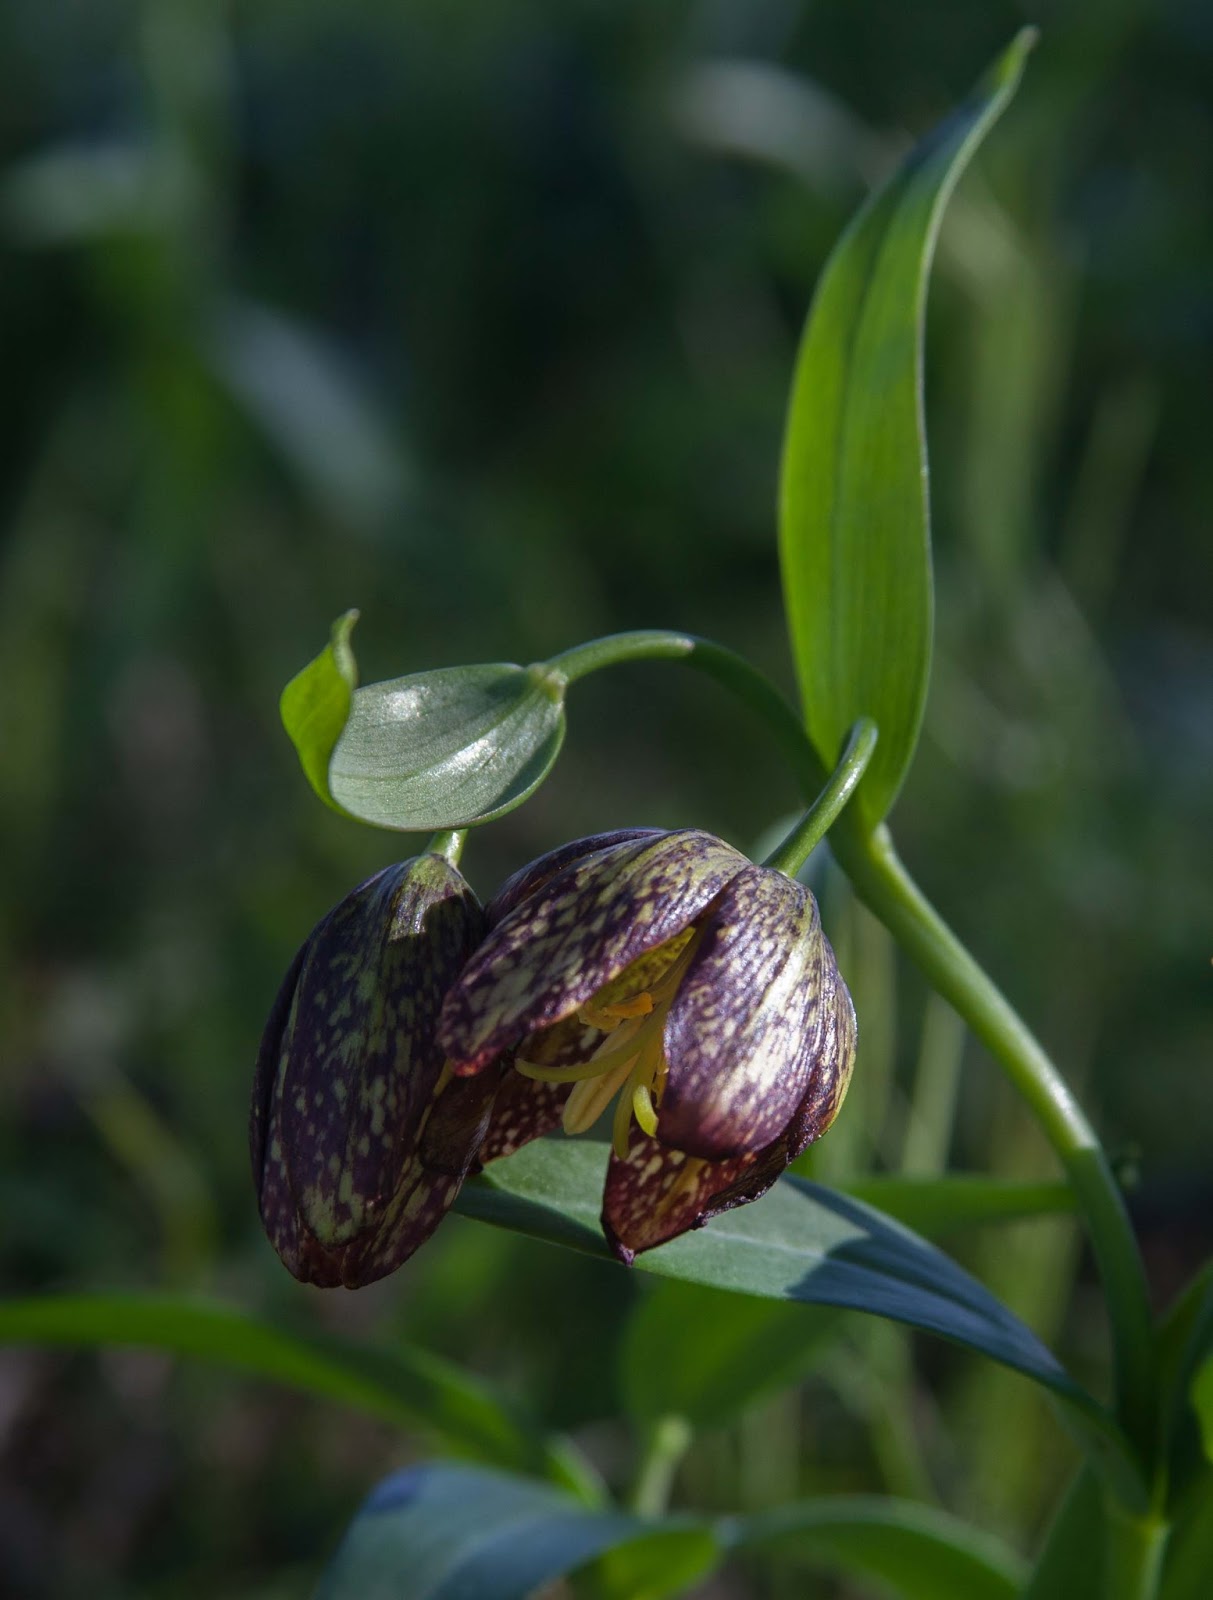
(356, 1070)
(269, 1056)
(455, 1129)
(580, 930)
(524, 1110)
(740, 1032)
(657, 1193)
(543, 869)
(830, 1050)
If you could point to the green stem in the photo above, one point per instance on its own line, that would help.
(1133, 1553)
(887, 888)
(448, 844)
(884, 884)
(825, 810)
(666, 1442)
(734, 672)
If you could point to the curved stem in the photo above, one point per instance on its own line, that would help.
(734, 672)
(881, 880)
(883, 883)
(829, 804)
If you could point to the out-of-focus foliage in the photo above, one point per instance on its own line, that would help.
(482, 318)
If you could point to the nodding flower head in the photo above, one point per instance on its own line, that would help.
(360, 1138)
(666, 973)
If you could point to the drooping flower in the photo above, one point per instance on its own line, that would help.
(359, 1137)
(665, 972)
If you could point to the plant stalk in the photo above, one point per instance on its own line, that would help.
(881, 880)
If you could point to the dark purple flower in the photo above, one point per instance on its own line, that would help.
(360, 1138)
(665, 972)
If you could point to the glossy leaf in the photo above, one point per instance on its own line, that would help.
(315, 705)
(435, 750)
(404, 1386)
(443, 1532)
(449, 748)
(732, 1350)
(800, 1243)
(947, 1204)
(854, 523)
(919, 1552)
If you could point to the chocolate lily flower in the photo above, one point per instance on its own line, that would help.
(360, 1139)
(665, 972)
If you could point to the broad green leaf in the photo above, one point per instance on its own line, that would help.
(801, 1243)
(732, 1350)
(449, 748)
(442, 749)
(405, 1386)
(442, 1532)
(921, 1553)
(854, 521)
(315, 705)
(954, 1201)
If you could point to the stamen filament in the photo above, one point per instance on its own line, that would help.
(621, 1128)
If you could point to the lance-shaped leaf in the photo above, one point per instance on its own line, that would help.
(405, 1386)
(801, 1243)
(442, 1532)
(919, 1552)
(444, 749)
(854, 525)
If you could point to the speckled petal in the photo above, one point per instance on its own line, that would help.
(744, 1032)
(829, 1049)
(558, 946)
(527, 1108)
(657, 1193)
(543, 869)
(357, 1070)
(524, 1110)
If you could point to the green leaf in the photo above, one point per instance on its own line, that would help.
(922, 1553)
(946, 1204)
(732, 1350)
(436, 750)
(854, 522)
(315, 705)
(405, 1386)
(802, 1243)
(449, 748)
(441, 1532)
(1189, 1559)
(1202, 1399)
(1071, 1559)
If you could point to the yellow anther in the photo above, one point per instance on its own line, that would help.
(644, 1109)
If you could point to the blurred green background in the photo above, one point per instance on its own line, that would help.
(481, 318)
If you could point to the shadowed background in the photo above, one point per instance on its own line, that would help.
(482, 319)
